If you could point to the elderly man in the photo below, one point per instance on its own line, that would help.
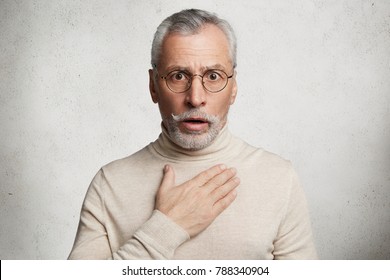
(197, 192)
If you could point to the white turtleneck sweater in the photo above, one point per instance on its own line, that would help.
(268, 220)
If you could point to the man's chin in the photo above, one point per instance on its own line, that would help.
(193, 140)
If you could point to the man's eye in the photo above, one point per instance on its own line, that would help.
(178, 76)
(213, 76)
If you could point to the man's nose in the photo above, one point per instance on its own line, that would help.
(196, 96)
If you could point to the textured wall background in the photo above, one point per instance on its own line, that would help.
(314, 87)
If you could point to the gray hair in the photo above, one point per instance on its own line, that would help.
(188, 22)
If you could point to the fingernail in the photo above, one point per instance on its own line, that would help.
(223, 166)
(166, 168)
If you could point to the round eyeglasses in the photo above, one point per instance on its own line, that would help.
(213, 80)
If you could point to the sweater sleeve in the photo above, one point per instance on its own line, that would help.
(294, 239)
(157, 238)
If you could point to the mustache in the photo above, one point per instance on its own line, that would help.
(195, 113)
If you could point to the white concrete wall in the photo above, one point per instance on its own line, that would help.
(314, 87)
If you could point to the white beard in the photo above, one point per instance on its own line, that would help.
(197, 140)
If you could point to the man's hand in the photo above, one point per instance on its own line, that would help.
(196, 203)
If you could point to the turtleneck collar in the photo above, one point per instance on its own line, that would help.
(220, 148)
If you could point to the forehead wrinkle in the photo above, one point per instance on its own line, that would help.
(180, 53)
(202, 69)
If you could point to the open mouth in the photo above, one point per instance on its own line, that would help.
(195, 121)
(195, 124)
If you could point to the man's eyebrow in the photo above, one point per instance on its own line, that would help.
(215, 66)
(177, 67)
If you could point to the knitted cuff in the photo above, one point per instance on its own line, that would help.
(162, 234)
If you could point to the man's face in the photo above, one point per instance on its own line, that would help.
(195, 117)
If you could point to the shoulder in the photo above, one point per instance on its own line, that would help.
(127, 164)
(261, 158)
(128, 173)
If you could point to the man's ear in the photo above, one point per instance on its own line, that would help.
(234, 89)
(152, 86)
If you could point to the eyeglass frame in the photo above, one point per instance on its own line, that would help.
(194, 75)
